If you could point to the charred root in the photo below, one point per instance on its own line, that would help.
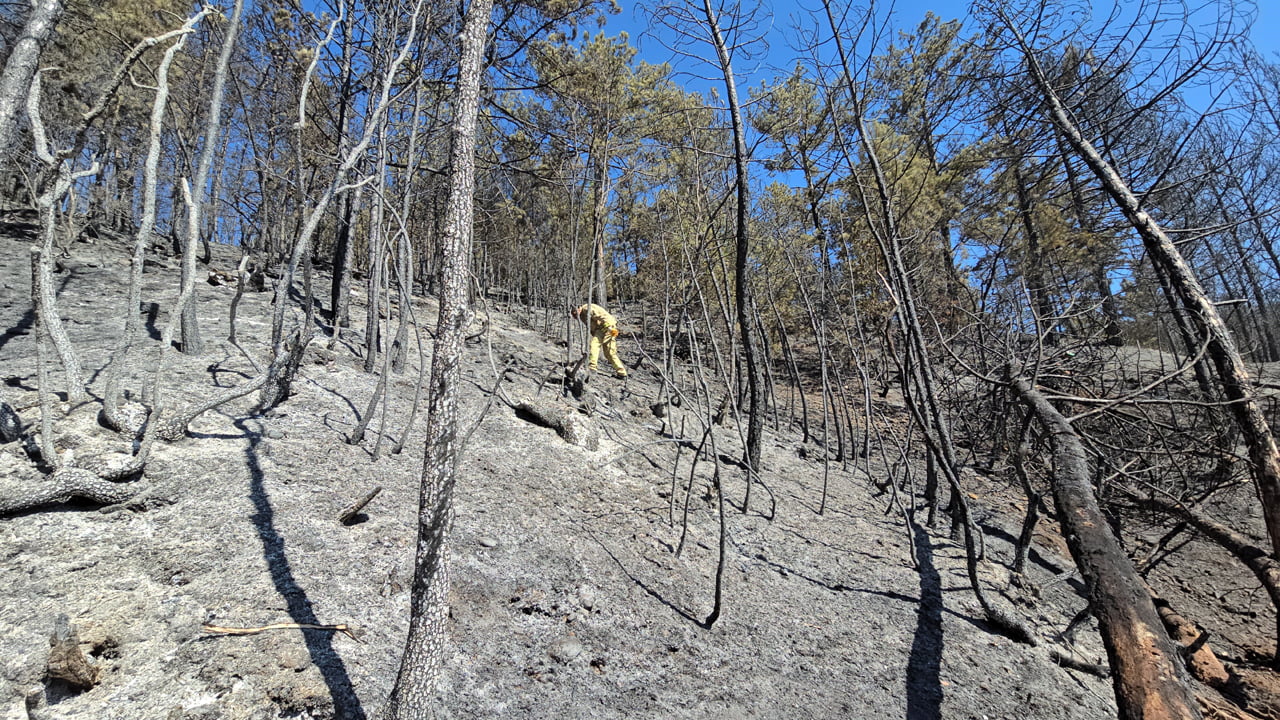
(64, 486)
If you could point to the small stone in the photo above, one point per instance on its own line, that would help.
(274, 433)
(565, 649)
(321, 355)
(587, 596)
(487, 542)
(294, 657)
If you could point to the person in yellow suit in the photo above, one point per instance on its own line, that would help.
(604, 336)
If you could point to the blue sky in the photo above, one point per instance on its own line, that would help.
(905, 15)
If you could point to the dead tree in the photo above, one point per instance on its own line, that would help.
(277, 389)
(1264, 567)
(114, 371)
(56, 182)
(1147, 672)
(915, 365)
(721, 37)
(1232, 374)
(192, 343)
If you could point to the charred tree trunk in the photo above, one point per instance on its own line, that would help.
(1263, 566)
(20, 68)
(1232, 374)
(742, 285)
(599, 205)
(1034, 266)
(340, 287)
(339, 297)
(1147, 672)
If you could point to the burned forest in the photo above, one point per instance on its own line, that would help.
(583, 359)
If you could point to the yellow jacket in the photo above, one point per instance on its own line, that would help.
(601, 320)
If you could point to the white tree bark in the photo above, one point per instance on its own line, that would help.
(192, 344)
(20, 68)
(146, 225)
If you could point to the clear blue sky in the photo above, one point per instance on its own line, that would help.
(906, 15)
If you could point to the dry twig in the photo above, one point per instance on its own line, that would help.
(218, 630)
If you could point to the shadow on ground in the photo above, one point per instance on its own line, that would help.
(319, 643)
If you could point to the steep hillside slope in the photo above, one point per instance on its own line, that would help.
(569, 600)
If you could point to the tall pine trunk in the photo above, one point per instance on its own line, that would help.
(412, 698)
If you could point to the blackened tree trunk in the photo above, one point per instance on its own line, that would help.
(1085, 220)
(1146, 670)
(339, 289)
(599, 207)
(412, 697)
(1232, 375)
(1033, 269)
(742, 285)
(339, 297)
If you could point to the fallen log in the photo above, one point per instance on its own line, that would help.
(567, 422)
(1147, 673)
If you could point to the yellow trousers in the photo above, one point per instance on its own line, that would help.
(606, 341)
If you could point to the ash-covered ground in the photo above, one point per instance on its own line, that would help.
(568, 598)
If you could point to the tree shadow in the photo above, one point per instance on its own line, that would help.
(350, 405)
(152, 312)
(346, 703)
(839, 587)
(644, 586)
(28, 319)
(216, 371)
(924, 665)
(1035, 556)
(22, 327)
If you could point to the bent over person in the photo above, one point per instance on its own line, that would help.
(604, 335)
